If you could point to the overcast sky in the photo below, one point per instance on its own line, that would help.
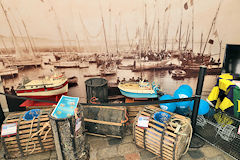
(41, 20)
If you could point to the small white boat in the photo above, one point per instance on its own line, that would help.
(178, 73)
(71, 64)
(66, 64)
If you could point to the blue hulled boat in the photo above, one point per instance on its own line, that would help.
(139, 89)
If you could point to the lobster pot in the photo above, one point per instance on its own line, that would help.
(69, 137)
(167, 139)
(29, 139)
(105, 121)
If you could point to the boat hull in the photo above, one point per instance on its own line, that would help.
(42, 93)
(138, 95)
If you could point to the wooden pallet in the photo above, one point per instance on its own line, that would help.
(21, 144)
(163, 140)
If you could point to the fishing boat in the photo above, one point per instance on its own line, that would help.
(178, 73)
(125, 67)
(147, 65)
(53, 86)
(139, 89)
(66, 64)
(8, 71)
(83, 64)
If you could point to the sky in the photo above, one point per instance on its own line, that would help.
(83, 18)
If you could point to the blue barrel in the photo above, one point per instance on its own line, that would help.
(183, 91)
(203, 107)
(171, 107)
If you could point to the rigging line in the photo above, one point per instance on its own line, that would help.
(31, 41)
(128, 38)
(104, 31)
(88, 33)
(213, 22)
(58, 25)
(85, 34)
(152, 30)
(19, 30)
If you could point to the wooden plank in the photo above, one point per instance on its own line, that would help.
(24, 136)
(26, 140)
(28, 131)
(156, 137)
(28, 126)
(94, 134)
(30, 143)
(102, 122)
(158, 155)
(47, 145)
(165, 143)
(27, 122)
(154, 143)
(155, 151)
(16, 155)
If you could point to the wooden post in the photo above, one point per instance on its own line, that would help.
(3, 100)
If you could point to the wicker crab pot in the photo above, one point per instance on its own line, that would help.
(33, 134)
(166, 135)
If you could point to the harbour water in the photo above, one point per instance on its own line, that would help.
(161, 77)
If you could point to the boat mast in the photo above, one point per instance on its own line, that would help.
(104, 32)
(69, 41)
(26, 48)
(220, 50)
(29, 39)
(11, 30)
(58, 27)
(145, 34)
(192, 23)
(4, 45)
(116, 37)
(180, 32)
(210, 30)
(130, 45)
(78, 42)
(151, 32)
(201, 43)
(158, 36)
(166, 36)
